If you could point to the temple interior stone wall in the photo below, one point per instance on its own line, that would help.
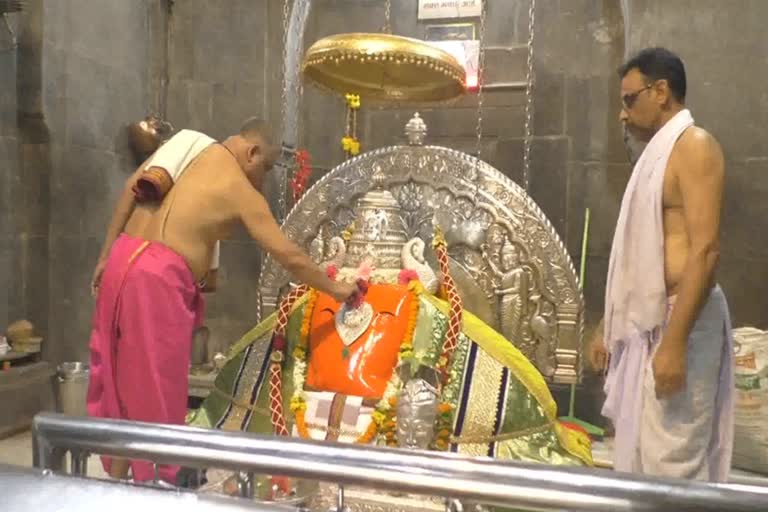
(84, 70)
(9, 163)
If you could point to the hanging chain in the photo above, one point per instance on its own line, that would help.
(480, 83)
(387, 17)
(480, 68)
(286, 12)
(529, 81)
(282, 185)
(298, 92)
(165, 74)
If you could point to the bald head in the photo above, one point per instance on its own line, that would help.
(255, 150)
(255, 127)
(256, 131)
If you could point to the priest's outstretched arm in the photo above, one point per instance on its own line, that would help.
(263, 227)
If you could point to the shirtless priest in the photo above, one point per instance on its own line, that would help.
(159, 245)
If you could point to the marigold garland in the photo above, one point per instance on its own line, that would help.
(298, 400)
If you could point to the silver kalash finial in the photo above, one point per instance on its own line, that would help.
(416, 130)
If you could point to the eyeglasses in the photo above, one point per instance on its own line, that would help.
(629, 99)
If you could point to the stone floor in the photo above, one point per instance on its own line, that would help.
(17, 451)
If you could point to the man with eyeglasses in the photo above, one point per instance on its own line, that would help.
(666, 334)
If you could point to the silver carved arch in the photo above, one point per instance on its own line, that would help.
(510, 265)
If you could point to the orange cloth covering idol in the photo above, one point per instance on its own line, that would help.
(365, 366)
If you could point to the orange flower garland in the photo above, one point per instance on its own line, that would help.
(298, 402)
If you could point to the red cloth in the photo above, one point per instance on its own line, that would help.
(153, 184)
(147, 308)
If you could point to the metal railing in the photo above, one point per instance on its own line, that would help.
(486, 481)
(25, 489)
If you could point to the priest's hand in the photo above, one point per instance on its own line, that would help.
(342, 291)
(96, 279)
(670, 368)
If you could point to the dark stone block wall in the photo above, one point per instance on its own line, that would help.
(79, 76)
(85, 69)
(96, 62)
(10, 174)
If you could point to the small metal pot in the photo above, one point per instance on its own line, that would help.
(147, 135)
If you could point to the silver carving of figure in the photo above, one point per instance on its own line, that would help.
(375, 225)
(317, 248)
(413, 259)
(543, 330)
(417, 410)
(335, 252)
(513, 293)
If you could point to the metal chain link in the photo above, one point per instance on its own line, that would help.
(480, 81)
(298, 92)
(283, 181)
(387, 17)
(480, 68)
(529, 81)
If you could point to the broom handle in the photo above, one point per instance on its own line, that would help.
(584, 238)
(582, 272)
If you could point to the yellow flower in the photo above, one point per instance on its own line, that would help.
(298, 404)
(299, 353)
(415, 286)
(378, 418)
(438, 238)
(353, 101)
(351, 145)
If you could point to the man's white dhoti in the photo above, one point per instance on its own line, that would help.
(690, 435)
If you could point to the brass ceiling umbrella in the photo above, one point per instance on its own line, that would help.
(384, 67)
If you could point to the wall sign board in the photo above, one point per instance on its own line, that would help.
(447, 9)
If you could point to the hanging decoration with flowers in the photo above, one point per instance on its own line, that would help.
(350, 143)
(301, 175)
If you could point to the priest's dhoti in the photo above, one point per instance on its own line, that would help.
(147, 308)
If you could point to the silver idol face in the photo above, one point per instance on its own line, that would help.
(416, 414)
